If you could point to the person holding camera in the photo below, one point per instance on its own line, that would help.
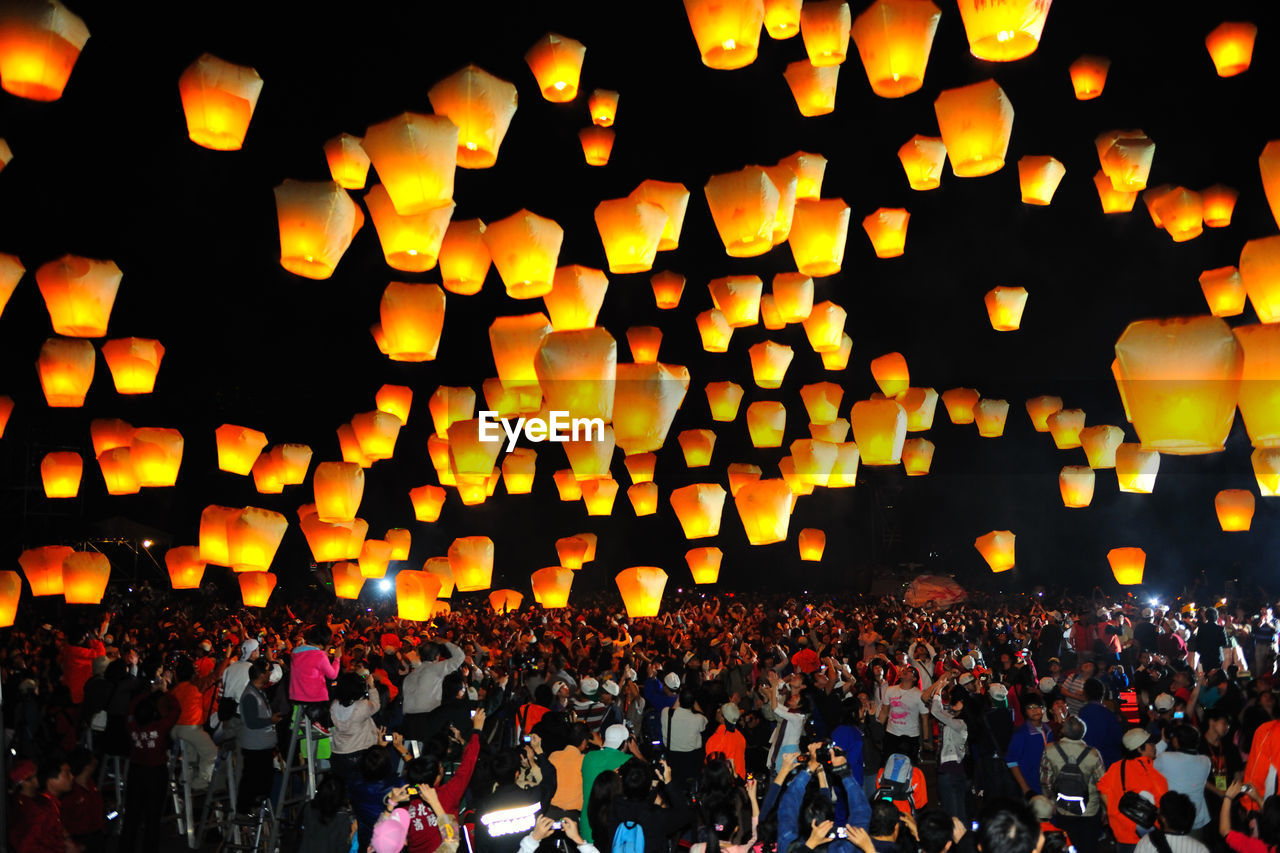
(354, 730)
(799, 808)
(652, 802)
(1134, 774)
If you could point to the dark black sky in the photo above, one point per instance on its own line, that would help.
(108, 172)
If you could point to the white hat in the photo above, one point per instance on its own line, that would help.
(590, 687)
(672, 681)
(967, 678)
(247, 648)
(615, 736)
(998, 692)
(968, 662)
(1147, 613)
(276, 674)
(611, 687)
(629, 674)
(730, 713)
(1135, 739)
(1164, 702)
(1047, 685)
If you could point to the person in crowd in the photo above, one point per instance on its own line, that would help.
(682, 725)
(354, 730)
(953, 782)
(189, 693)
(618, 748)
(257, 738)
(506, 813)
(649, 798)
(1028, 744)
(83, 811)
(728, 742)
(426, 774)
(1173, 827)
(423, 686)
(1008, 827)
(1102, 727)
(312, 666)
(1187, 770)
(152, 717)
(904, 715)
(1069, 775)
(329, 825)
(1134, 773)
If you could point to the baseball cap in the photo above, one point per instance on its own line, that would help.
(998, 692)
(590, 687)
(1134, 739)
(615, 736)
(730, 713)
(611, 687)
(672, 681)
(22, 771)
(1047, 685)
(1164, 702)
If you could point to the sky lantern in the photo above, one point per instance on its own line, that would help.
(438, 450)
(348, 162)
(42, 568)
(738, 298)
(1039, 176)
(60, 472)
(894, 38)
(1269, 166)
(1181, 213)
(395, 400)
(887, 228)
(471, 559)
(844, 471)
(891, 373)
(576, 371)
(213, 534)
(1076, 484)
(644, 498)
(1089, 76)
(1234, 508)
(825, 326)
(698, 507)
(641, 586)
(509, 402)
(810, 169)
(412, 320)
(769, 363)
(1040, 408)
(667, 288)
(464, 257)
(917, 456)
(784, 178)
(835, 432)
(416, 156)
(1100, 443)
(505, 600)
(256, 588)
(376, 432)
(253, 537)
(766, 423)
(630, 231)
(1219, 204)
(812, 543)
(603, 106)
(416, 593)
(1223, 291)
(1127, 565)
(838, 359)
(697, 446)
(1230, 47)
(920, 405)
(186, 569)
(787, 468)
(156, 453)
(714, 330)
(1150, 196)
(6, 409)
(975, 122)
(409, 243)
(960, 403)
(597, 144)
(822, 401)
(40, 41)
(84, 577)
(1266, 468)
(819, 231)
(10, 594)
(1136, 469)
(525, 248)
(116, 465)
(640, 467)
(134, 363)
(824, 27)
(375, 555)
(590, 455)
(317, 221)
(1003, 30)
(644, 342)
(814, 88)
(990, 415)
(11, 272)
(599, 494)
(646, 401)
(551, 587)
(481, 105)
(1005, 306)
(727, 31)
(330, 542)
(741, 473)
(427, 502)
(439, 566)
(79, 294)
(1260, 272)
(515, 342)
(673, 198)
(1260, 382)
(922, 158)
(470, 456)
(518, 468)
(879, 428)
(744, 206)
(1181, 381)
(1065, 425)
(704, 564)
(401, 540)
(218, 99)
(1125, 156)
(764, 507)
(782, 18)
(793, 294)
(350, 447)
(556, 63)
(238, 448)
(1112, 199)
(567, 485)
(572, 551)
(339, 488)
(997, 548)
(347, 580)
(813, 460)
(769, 315)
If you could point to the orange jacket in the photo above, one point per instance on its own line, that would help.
(732, 745)
(1139, 775)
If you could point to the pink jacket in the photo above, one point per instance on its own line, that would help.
(311, 669)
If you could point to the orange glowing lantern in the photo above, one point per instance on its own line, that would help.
(238, 448)
(42, 568)
(416, 157)
(764, 507)
(481, 105)
(350, 447)
(253, 537)
(1230, 47)
(975, 122)
(6, 409)
(471, 455)
(572, 551)
(1219, 204)
(10, 594)
(375, 555)
(960, 403)
(117, 471)
(920, 404)
(1100, 443)
(645, 404)
(812, 543)
(186, 569)
(1003, 30)
(376, 433)
(1005, 306)
(809, 170)
(1269, 166)
(590, 453)
(401, 541)
(769, 363)
(704, 564)
(887, 228)
(1113, 200)
(814, 88)
(395, 400)
(339, 488)
(1076, 484)
(644, 342)
(1125, 156)
(997, 548)
(464, 257)
(213, 534)
(576, 371)
(782, 18)
(783, 176)
(824, 27)
(518, 469)
(1266, 469)
(641, 586)
(603, 106)
(766, 423)
(787, 467)
(1065, 425)
(84, 577)
(60, 471)
(347, 580)
(317, 222)
(673, 198)
(1260, 272)
(567, 485)
(11, 269)
(1234, 508)
(819, 231)
(1089, 76)
(1181, 213)
(515, 342)
(990, 416)
(551, 587)
(576, 295)
(741, 473)
(597, 145)
(439, 566)
(824, 327)
(599, 494)
(330, 542)
(891, 374)
(416, 593)
(556, 63)
(727, 31)
(348, 162)
(922, 158)
(917, 456)
(744, 206)
(471, 560)
(505, 600)
(157, 455)
(412, 319)
(524, 248)
(894, 38)
(79, 294)
(410, 243)
(1127, 565)
(640, 467)
(256, 587)
(793, 295)
(630, 231)
(879, 428)
(1136, 469)
(697, 446)
(769, 313)
(814, 460)
(1260, 383)
(714, 329)
(40, 41)
(822, 401)
(1040, 408)
(134, 363)
(838, 359)
(427, 502)
(1150, 196)
(218, 99)
(844, 470)
(699, 508)
(1039, 176)
(644, 498)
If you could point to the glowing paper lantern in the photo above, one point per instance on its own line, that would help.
(572, 551)
(395, 400)
(783, 176)
(744, 206)
(253, 537)
(1100, 443)
(1127, 565)
(42, 568)
(218, 99)
(524, 248)
(79, 294)
(699, 508)
(11, 269)
(1181, 381)
(741, 473)
(117, 471)
(825, 327)
(518, 470)
(766, 423)
(590, 453)
(644, 342)
(1260, 383)
(1076, 484)
(809, 169)
(920, 405)
(157, 455)
(481, 105)
(471, 560)
(134, 363)
(410, 243)
(812, 543)
(793, 295)
(1039, 176)
(186, 569)
(814, 460)
(1181, 213)
(960, 403)
(673, 198)
(515, 342)
(1230, 47)
(1266, 468)
(597, 145)
(427, 502)
(1113, 200)
(416, 594)
(471, 457)
(567, 485)
(317, 221)
(1269, 166)
(213, 534)
(646, 401)
(824, 26)
(714, 330)
(922, 158)
(1223, 291)
(416, 157)
(917, 456)
(814, 88)
(375, 555)
(84, 577)
(1136, 469)
(1040, 408)
(1003, 30)
(844, 471)
(412, 319)
(10, 593)
(727, 31)
(576, 371)
(997, 548)
(556, 63)
(464, 257)
(400, 540)
(439, 566)
(256, 587)
(787, 467)
(640, 467)
(551, 587)
(1005, 306)
(348, 162)
(339, 488)
(505, 600)
(838, 359)
(1125, 156)
(1219, 203)
(641, 586)
(1089, 76)
(894, 38)
(769, 363)
(576, 295)
(990, 416)
(644, 498)
(764, 506)
(238, 448)
(769, 314)
(667, 289)
(6, 409)
(40, 41)
(603, 106)
(376, 433)
(697, 446)
(975, 122)
(879, 428)
(1260, 272)
(822, 401)
(819, 231)
(350, 447)
(347, 580)
(330, 542)
(835, 432)
(1234, 508)
(887, 228)
(1065, 425)
(704, 564)
(891, 373)
(630, 231)
(60, 473)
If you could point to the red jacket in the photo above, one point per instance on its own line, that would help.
(424, 835)
(151, 740)
(44, 832)
(77, 666)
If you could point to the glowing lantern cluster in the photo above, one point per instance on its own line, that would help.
(551, 586)
(1230, 45)
(1234, 508)
(40, 41)
(471, 561)
(1005, 306)
(317, 222)
(218, 99)
(887, 228)
(60, 472)
(894, 38)
(525, 247)
(256, 588)
(481, 105)
(922, 158)
(641, 588)
(1127, 564)
(84, 577)
(1039, 176)
(975, 122)
(1089, 76)
(997, 548)
(79, 294)
(348, 161)
(1223, 291)
(727, 32)
(556, 63)
(1003, 30)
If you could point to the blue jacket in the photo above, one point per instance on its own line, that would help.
(793, 799)
(1102, 731)
(1026, 748)
(849, 739)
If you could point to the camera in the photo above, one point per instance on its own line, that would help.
(1178, 715)
(387, 738)
(528, 739)
(839, 832)
(823, 754)
(473, 713)
(557, 824)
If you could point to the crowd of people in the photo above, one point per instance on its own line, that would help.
(735, 722)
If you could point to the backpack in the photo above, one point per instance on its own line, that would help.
(628, 838)
(895, 780)
(1072, 788)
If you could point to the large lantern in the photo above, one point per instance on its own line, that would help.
(186, 569)
(793, 296)
(1003, 30)
(597, 144)
(410, 243)
(643, 497)
(894, 38)
(157, 455)
(347, 580)
(727, 33)
(505, 600)
(891, 373)
(603, 106)
(551, 586)
(738, 298)
(471, 455)
(764, 507)
(917, 456)
(997, 548)
(375, 556)
(395, 400)
(60, 472)
(769, 363)
(427, 502)
(218, 99)
(42, 568)
(339, 488)
(744, 206)
(824, 327)
(887, 228)
(376, 433)
(741, 473)
(641, 587)
(1181, 213)
(401, 540)
(576, 295)
(134, 363)
(213, 534)
(525, 248)
(556, 63)
(416, 157)
(253, 537)
(330, 542)
(766, 423)
(879, 428)
(1234, 508)
(704, 564)
(975, 122)
(1127, 565)
(644, 343)
(1040, 408)
(921, 404)
(1038, 177)
(667, 289)
(1089, 76)
(645, 404)
(79, 294)
(782, 18)
(990, 415)
(40, 41)
(412, 320)
(1076, 484)
(1260, 385)
(256, 587)
(819, 230)
(1136, 469)
(824, 27)
(673, 198)
(1260, 272)
(1230, 47)
(518, 468)
(1005, 306)
(84, 577)
(1125, 157)
(464, 257)
(481, 105)
(640, 467)
(960, 403)
(822, 401)
(471, 560)
(699, 508)
(416, 593)
(1065, 425)
(812, 543)
(590, 454)
(317, 221)
(813, 88)
(576, 371)
(348, 161)
(1266, 469)
(922, 158)
(238, 448)
(714, 329)
(1100, 443)
(515, 342)
(1180, 379)
(572, 551)
(630, 231)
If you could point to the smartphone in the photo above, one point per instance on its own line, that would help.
(528, 739)
(112, 815)
(557, 824)
(1246, 788)
(973, 826)
(473, 712)
(387, 738)
(1178, 715)
(840, 832)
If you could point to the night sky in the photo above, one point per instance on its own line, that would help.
(108, 172)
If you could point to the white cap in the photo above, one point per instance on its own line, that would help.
(672, 681)
(968, 662)
(611, 687)
(589, 686)
(1164, 702)
(615, 736)
(1047, 685)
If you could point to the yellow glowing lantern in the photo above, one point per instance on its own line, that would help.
(764, 506)
(256, 587)
(1125, 156)
(551, 586)
(603, 106)
(376, 433)
(824, 327)
(837, 431)
(783, 176)
(375, 554)
(576, 371)
(10, 594)
(641, 586)
(218, 99)
(350, 447)
(1003, 30)
(416, 157)
(577, 292)
(1223, 291)
(400, 540)
(471, 455)
(714, 329)
(1181, 213)
(844, 471)
(894, 38)
(697, 446)
(79, 294)
(330, 542)
(814, 88)
(744, 206)
(117, 471)
(567, 485)
(813, 460)
(347, 580)
(960, 403)
(471, 560)
(990, 416)
(1076, 484)
(1269, 166)
(11, 269)
(1150, 196)
(1127, 565)
(766, 423)
(1234, 508)
(597, 145)
(1260, 272)
(644, 342)
(640, 467)
(917, 456)
(599, 494)
(556, 63)
(410, 243)
(213, 534)
(891, 374)
(809, 169)
(253, 537)
(1065, 425)
(510, 402)
(1100, 443)
(922, 158)
(395, 400)
(518, 470)
(644, 498)
(838, 359)
(348, 162)
(1089, 76)
(1230, 47)
(887, 228)
(1260, 383)
(630, 231)
(524, 248)
(1181, 380)
(481, 105)
(572, 551)
(186, 569)
(339, 488)
(819, 230)
(515, 342)
(879, 429)
(590, 452)
(727, 31)
(741, 473)
(416, 593)
(699, 507)
(427, 502)
(238, 448)
(157, 455)
(1219, 204)
(505, 600)
(439, 566)
(738, 298)
(317, 222)
(1136, 469)
(667, 289)
(824, 27)
(1266, 468)
(60, 471)
(997, 548)
(975, 122)
(822, 401)
(1005, 306)
(42, 568)
(40, 41)
(1039, 176)
(812, 543)
(793, 295)
(673, 198)
(134, 363)
(769, 313)
(84, 577)
(412, 319)
(438, 450)
(1113, 200)
(704, 564)
(6, 409)
(769, 363)
(464, 257)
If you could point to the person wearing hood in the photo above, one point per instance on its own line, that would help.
(355, 702)
(311, 667)
(235, 678)
(729, 742)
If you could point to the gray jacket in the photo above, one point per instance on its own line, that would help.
(258, 731)
(422, 686)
